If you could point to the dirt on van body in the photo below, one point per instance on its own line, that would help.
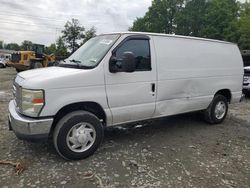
(178, 151)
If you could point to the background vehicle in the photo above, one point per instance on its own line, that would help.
(2, 63)
(121, 78)
(24, 60)
(246, 80)
(246, 57)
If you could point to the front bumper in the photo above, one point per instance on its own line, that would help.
(27, 128)
(246, 86)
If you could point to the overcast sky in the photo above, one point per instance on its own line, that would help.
(41, 21)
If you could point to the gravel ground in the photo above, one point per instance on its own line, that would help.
(179, 151)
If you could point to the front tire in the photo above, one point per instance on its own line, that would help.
(77, 135)
(217, 110)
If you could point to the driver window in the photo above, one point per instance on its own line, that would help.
(141, 50)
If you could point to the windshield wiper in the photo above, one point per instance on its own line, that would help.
(75, 61)
(77, 64)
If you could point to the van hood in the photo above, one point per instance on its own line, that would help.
(56, 78)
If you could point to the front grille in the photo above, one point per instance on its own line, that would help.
(245, 78)
(17, 92)
(247, 71)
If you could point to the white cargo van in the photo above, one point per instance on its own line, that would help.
(120, 78)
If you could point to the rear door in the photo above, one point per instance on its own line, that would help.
(132, 96)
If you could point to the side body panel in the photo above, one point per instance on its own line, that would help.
(78, 85)
(191, 71)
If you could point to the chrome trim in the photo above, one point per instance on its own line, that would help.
(17, 92)
(28, 126)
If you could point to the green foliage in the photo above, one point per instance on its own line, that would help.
(89, 34)
(160, 17)
(51, 49)
(12, 46)
(1, 44)
(26, 45)
(73, 34)
(244, 27)
(59, 49)
(220, 14)
(190, 21)
(72, 37)
(217, 19)
(139, 25)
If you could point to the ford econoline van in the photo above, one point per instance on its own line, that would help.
(120, 78)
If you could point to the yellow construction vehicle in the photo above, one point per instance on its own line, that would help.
(24, 60)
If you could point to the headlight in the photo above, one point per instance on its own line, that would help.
(32, 102)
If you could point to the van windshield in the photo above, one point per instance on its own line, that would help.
(91, 53)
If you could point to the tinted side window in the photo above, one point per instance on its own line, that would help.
(141, 50)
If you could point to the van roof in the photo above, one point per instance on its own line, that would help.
(170, 35)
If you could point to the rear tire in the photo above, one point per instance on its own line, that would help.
(217, 110)
(2, 66)
(77, 135)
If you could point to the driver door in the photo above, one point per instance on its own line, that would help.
(132, 96)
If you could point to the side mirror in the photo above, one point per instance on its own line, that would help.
(126, 64)
(114, 64)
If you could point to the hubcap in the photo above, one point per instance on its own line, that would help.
(220, 110)
(81, 137)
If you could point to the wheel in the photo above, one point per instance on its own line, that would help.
(77, 135)
(2, 66)
(217, 110)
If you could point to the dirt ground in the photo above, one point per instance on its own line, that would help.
(179, 151)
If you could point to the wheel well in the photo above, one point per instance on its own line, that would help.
(226, 93)
(92, 107)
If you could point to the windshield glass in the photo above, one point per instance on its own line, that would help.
(91, 53)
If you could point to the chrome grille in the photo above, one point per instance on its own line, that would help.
(245, 78)
(17, 96)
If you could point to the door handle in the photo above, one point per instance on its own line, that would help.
(153, 88)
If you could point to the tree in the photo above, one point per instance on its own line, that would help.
(89, 34)
(12, 46)
(217, 19)
(61, 49)
(139, 24)
(51, 49)
(1, 44)
(26, 45)
(220, 15)
(244, 27)
(191, 20)
(160, 18)
(73, 34)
